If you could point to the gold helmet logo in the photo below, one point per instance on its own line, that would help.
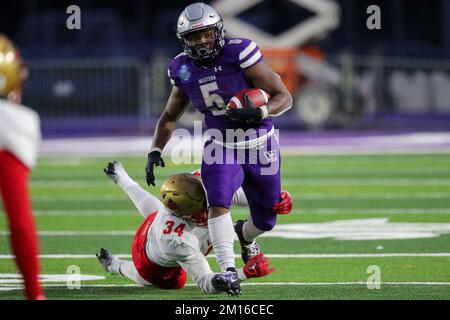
(184, 196)
(11, 71)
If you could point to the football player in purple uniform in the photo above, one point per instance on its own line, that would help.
(209, 71)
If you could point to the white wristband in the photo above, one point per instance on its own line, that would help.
(241, 274)
(156, 149)
(264, 111)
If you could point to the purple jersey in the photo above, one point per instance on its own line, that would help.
(211, 87)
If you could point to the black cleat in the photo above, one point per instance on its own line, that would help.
(248, 249)
(228, 282)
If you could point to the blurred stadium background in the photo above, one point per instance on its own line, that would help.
(109, 78)
(100, 90)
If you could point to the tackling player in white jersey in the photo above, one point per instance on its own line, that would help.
(173, 240)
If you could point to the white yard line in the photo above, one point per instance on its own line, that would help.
(7, 287)
(80, 198)
(64, 212)
(307, 170)
(373, 196)
(359, 151)
(79, 233)
(301, 196)
(76, 183)
(366, 181)
(275, 255)
(358, 211)
(346, 283)
(300, 169)
(376, 211)
(356, 255)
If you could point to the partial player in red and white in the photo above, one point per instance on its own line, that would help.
(19, 139)
(173, 240)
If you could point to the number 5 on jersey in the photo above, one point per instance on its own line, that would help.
(213, 101)
(169, 228)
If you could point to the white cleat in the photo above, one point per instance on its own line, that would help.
(106, 259)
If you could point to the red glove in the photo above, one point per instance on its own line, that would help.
(258, 266)
(285, 204)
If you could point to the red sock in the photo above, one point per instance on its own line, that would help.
(24, 241)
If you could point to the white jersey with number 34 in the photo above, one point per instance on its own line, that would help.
(172, 241)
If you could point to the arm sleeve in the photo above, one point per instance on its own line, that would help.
(239, 198)
(145, 202)
(197, 267)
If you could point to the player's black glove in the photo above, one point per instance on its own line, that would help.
(248, 114)
(154, 158)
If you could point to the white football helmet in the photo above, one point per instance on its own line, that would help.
(199, 17)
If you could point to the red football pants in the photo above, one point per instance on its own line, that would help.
(16, 202)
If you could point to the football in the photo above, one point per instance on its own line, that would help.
(258, 97)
